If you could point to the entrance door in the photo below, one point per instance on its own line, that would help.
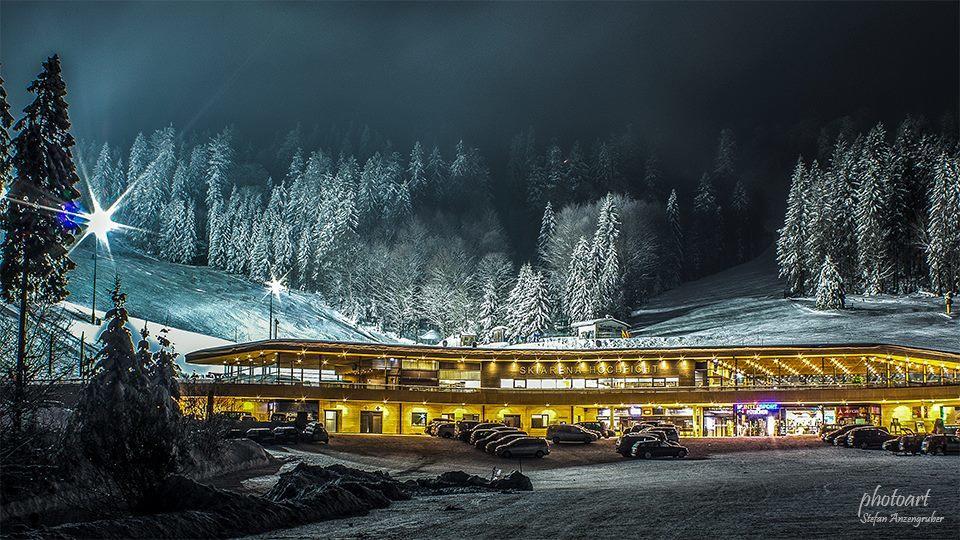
(331, 420)
(371, 422)
(512, 420)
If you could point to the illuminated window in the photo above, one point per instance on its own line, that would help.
(539, 421)
(506, 383)
(519, 383)
(418, 419)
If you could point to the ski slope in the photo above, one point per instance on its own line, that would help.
(745, 305)
(203, 307)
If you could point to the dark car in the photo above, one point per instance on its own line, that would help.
(480, 437)
(502, 437)
(868, 437)
(940, 444)
(286, 435)
(559, 433)
(670, 433)
(480, 433)
(464, 429)
(316, 432)
(261, 435)
(598, 427)
(446, 430)
(431, 428)
(650, 449)
(827, 428)
(238, 418)
(838, 436)
(523, 447)
(640, 426)
(625, 443)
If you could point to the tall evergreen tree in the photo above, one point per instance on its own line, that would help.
(580, 287)
(674, 270)
(790, 254)
(547, 225)
(873, 204)
(830, 293)
(219, 160)
(34, 253)
(943, 229)
(704, 236)
(6, 148)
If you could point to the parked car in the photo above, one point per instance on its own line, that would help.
(523, 447)
(316, 432)
(261, 435)
(650, 449)
(640, 426)
(625, 443)
(841, 433)
(431, 428)
(238, 417)
(868, 437)
(480, 437)
(827, 428)
(670, 433)
(480, 433)
(941, 444)
(446, 430)
(286, 435)
(464, 429)
(598, 427)
(502, 437)
(559, 433)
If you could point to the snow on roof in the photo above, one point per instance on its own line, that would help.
(430, 334)
(602, 320)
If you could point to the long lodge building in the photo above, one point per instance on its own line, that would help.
(710, 391)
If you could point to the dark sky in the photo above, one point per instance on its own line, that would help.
(677, 71)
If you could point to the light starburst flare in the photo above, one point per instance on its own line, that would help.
(275, 286)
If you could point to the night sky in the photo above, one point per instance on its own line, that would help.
(677, 71)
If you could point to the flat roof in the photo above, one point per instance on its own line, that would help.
(333, 349)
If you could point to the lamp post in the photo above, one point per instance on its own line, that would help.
(274, 288)
(99, 223)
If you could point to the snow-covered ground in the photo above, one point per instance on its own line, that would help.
(745, 305)
(201, 306)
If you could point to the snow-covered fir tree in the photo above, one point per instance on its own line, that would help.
(830, 292)
(6, 149)
(675, 241)
(219, 160)
(580, 285)
(101, 182)
(872, 206)
(790, 245)
(547, 224)
(739, 222)
(529, 304)
(943, 229)
(609, 284)
(704, 237)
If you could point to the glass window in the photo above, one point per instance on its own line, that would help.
(519, 383)
(506, 383)
(548, 383)
(564, 383)
(591, 383)
(535, 383)
(539, 421)
(418, 419)
(579, 383)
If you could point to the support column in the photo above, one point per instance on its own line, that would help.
(400, 419)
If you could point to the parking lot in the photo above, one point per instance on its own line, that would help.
(778, 487)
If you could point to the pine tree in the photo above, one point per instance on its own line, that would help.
(652, 177)
(127, 419)
(704, 236)
(580, 285)
(100, 184)
(6, 148)
(790, 254)
(726, 154)
(547, 225)
(148, 195)
(675, 243)
(818, 241)
(871, 213)
(416, 171)
(740, 215)
(219, 160)
(610, 283)
(139, 158)
(943, 229)
(607, 233)
(34, 252)
(830, 293)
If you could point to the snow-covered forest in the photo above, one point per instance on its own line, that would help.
(408, 240)
(882, 211)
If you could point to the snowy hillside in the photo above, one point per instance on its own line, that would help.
(745, 305)
(203, 302)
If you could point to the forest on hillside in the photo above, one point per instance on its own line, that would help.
(433, 237)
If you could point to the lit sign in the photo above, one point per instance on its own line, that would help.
(761, 408)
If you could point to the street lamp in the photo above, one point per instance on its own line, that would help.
(274, 288)
(98, 223)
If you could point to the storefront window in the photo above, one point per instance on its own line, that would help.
(539, 421)
(418, 419)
